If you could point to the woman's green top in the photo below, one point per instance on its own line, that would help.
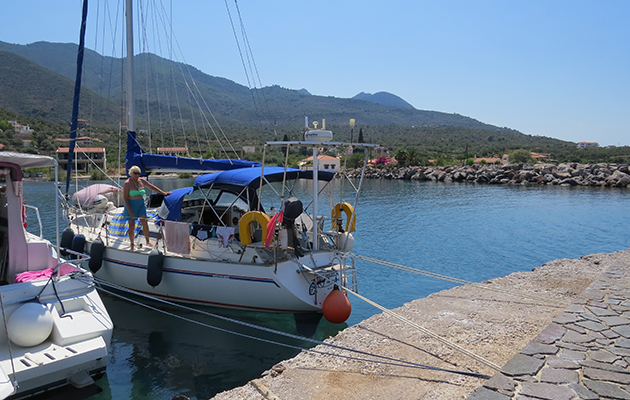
(140, 192)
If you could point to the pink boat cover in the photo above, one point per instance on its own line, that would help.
(85, 197)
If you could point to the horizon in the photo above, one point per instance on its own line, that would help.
(554, 69)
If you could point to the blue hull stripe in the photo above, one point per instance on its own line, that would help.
(195, 273)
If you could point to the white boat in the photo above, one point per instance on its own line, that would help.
(211, 237)
(55, 328)
(211, 246)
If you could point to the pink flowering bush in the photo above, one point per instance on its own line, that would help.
(384, 160)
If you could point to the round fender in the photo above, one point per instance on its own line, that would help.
(246, 221)
(78, 245)
(155, 265)
(336, 307)
(97, 250)
(30, 324)
(349, 211)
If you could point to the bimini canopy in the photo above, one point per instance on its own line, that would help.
(250, 177)
(27, 160)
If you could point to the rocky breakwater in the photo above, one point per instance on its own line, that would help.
(564, 174)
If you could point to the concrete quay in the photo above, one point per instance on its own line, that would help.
(559, 331)
(583, 354)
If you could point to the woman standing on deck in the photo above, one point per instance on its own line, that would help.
(133, 193)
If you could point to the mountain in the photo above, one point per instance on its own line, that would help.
(33, 91)
(384, 98)
(230, 102)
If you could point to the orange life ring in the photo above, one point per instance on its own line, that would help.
(335, 213)
(246, 221)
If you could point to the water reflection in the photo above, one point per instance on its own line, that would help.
(155, 356)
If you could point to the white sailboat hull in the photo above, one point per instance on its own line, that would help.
(285, 287)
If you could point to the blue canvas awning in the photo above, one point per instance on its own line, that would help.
(250, 177)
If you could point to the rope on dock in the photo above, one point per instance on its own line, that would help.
(428, 332)
(416, 326)
(388, 360)
(553, 302)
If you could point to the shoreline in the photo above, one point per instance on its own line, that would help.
(493, 325)
(564, 174)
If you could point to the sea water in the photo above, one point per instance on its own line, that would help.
(468, 231)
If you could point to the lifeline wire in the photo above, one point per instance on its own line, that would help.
(455, 280)
(392, 361)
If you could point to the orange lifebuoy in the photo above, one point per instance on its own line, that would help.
(246, 221)
(335, 213)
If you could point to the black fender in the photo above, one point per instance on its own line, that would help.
(155, 264)
(78, 245)
(97, 251)
(66, 240)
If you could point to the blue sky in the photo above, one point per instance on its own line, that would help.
(544, 67)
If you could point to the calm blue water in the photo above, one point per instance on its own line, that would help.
(472, 232)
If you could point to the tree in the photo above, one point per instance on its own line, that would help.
(283, 149)
(360, 140)
(402, 156)
(413, 157)
(356, 160)
(521, 156)
(4, 125)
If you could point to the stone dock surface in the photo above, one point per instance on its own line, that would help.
(561, 331)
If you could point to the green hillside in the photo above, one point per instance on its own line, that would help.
(37, 84)
(30, 90)
(228, 100)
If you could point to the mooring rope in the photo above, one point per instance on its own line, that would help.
(415, 325)
(389, 360)
(457, 280)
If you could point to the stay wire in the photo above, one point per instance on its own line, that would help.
(390, 361)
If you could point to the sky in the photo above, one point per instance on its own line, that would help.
(555, 68)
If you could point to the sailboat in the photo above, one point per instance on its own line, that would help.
(55, 328)
(218, 242)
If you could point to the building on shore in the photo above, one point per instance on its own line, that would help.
(85, 158)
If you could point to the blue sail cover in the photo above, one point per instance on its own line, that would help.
(250, 177)
(163, 163)
(173, 203)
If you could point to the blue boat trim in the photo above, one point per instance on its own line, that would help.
(195, 273)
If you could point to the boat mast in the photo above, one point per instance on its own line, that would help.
(77, 95)
(315, 192)
(131, 121)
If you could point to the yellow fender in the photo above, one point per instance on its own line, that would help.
(245, 223)
(348, 210)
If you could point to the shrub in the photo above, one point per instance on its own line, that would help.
(97, 175)
(521, 156)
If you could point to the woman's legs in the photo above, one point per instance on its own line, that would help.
(132, 231)
(145, 229)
